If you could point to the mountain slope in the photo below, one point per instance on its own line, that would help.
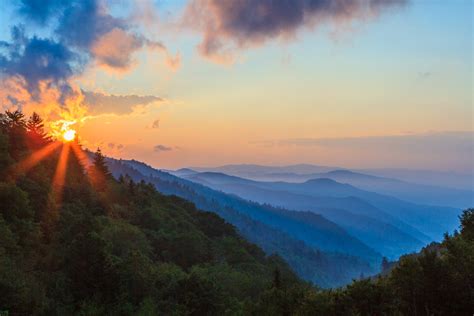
(91, 245)
(431, 220)
(417, 193)
(351, 213)
(415, 219)
(297, 242)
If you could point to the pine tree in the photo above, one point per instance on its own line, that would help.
(99, 163)
(467, 224)
(15, 119)
(385, 264)
(36, 133)
(14, 125)
(35, 124)
(99, 172)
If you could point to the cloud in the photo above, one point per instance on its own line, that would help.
(109, 40)
(80, 33)
(115, 147)
(460, 141)
(443, 150)
(83, 22)
(173, 62)
(155, 124)
(37, 59)
(425, 74)
(39, 10)
(101, 103)
(228, 25)
(115, 48)
(51, 103)
(160, 148)
(38, 72)
(88, 27)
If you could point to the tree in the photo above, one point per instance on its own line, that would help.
(99, 172)
(100, 164)
(5, 159)
(35, 124)
(14, 125)
(385, 265)
(467, 224)
(15, 119)
(35, 127)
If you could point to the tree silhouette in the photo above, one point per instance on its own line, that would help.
(385, 265)
(35, 124)
(35, 128)
(14, 126)
(100, 164)
(99, 172)
(15, 119)
(467, 223)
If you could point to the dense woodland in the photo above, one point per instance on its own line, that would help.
(93, 245)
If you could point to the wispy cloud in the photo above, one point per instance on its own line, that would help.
(160, 148)
(101, 103)
(155, 124)
(443, 150)
(461, 140)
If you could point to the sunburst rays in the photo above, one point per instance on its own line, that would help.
(59, 178)
(60, 173)
(26, 164)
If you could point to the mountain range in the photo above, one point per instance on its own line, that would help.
(317, 249)
(417, 186)
(339, 221)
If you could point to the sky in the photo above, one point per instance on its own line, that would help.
(354, 83)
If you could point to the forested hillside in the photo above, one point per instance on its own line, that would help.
(93, 245)
(318, 250)
(75, 241)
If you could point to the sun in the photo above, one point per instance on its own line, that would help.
(69, 135)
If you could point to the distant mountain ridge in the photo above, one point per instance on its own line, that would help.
(317, 249)
(389, 225)
(259, 169)
(319, 194)
(350, 212)
(435, 188)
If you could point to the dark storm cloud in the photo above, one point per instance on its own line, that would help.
(160, 148)
(247, 22)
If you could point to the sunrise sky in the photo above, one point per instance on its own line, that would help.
(356, 83)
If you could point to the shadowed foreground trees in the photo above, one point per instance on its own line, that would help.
(120, 248)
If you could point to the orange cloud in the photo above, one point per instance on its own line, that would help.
(52, 104)
(114, 49)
